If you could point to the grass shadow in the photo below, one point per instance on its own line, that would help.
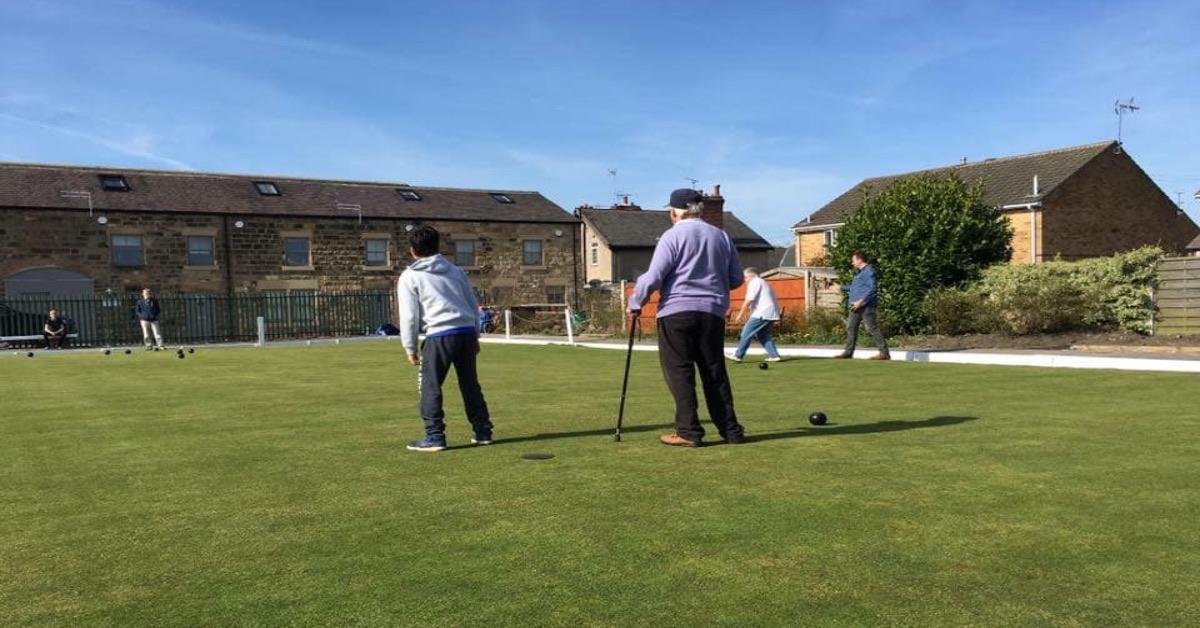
(862, 428)
(608, 431)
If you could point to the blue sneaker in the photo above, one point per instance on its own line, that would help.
(481, 439)
(429, 443)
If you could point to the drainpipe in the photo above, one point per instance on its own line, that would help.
(228, 256)
(1032, 235)
(575, 264)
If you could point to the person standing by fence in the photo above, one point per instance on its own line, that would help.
(147, 312)
(764, 315)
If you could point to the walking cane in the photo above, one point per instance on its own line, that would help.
(633, 324)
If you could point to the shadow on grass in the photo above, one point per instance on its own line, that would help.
(862, 428)
(608, 431)
(832, 429)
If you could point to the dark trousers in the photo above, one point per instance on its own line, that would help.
(865, 315)
(55, 341)
(437, 356)
(688, 342)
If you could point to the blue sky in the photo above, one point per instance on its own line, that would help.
(785, 104)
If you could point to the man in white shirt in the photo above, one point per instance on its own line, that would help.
(764, 316)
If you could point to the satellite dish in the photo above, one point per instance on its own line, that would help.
(239, 224)
(102, 220)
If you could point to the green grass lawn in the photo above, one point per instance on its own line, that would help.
(271, 487)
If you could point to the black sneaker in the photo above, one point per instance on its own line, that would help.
(734, 439)
(481, 439)
(428, 444)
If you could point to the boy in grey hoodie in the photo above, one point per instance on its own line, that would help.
(438, 293)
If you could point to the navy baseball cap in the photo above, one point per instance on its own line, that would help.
(681, 198)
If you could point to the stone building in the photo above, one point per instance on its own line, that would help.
(1084, 201)
(618, 242)
(71, 230)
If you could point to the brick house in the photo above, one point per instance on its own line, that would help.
(1084, 201)
(618, 242)
(75, 231)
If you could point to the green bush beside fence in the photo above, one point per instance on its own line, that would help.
(1099, 294)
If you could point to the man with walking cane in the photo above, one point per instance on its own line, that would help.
(694, 267)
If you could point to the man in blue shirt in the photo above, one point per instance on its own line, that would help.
(863, 295)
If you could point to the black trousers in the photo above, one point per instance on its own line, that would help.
(437, 356)
(688, 342)
(865, 315)
(54, 341)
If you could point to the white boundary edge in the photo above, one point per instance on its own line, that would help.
(1044, 360)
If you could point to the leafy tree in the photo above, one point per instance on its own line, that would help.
(922, 232)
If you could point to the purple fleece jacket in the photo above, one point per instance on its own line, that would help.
(694, 267)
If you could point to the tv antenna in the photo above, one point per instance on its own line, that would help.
(693, 181)
(1122, 108)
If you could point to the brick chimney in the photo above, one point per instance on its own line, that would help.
(714, 208)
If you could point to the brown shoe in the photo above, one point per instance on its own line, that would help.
(880, 356)
(675, 440)
(843, 356)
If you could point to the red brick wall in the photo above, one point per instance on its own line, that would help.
(1110, 206)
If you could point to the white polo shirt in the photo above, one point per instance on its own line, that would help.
(760, 294)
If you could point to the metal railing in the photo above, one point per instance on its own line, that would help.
(108, 320)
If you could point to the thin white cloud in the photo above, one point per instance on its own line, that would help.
(142, 144)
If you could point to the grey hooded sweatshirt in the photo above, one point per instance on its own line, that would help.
(438, 293)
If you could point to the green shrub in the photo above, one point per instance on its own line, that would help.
(925, 232)
(1096, 294)
(961, 311)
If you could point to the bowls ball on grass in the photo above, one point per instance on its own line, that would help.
(108, 352)
(818, 418)
(128, 352)
(764, 366)
(29, 355)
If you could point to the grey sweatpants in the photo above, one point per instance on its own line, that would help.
(437, 356)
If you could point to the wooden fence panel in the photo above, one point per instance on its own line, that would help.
(1178, 296)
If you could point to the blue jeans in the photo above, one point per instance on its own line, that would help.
(760, 330)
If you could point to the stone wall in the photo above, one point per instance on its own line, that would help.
(71, 240)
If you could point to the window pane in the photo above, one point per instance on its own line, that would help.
(464, 253)
(532, 253)
(595, 254)
(556, 294)
(127, 250)
(377, 252)
(266, 188)
(297, 251)
(200, 251)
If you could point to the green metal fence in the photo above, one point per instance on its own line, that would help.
(108, 320)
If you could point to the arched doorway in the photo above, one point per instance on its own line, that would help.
(48, 282)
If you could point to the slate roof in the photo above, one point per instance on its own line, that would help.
(40, 186)
(641, 228)
(1007, 180)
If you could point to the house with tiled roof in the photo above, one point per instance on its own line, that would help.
(1193, 248)
(1069, 203)
(79, 230)
(618, 241)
